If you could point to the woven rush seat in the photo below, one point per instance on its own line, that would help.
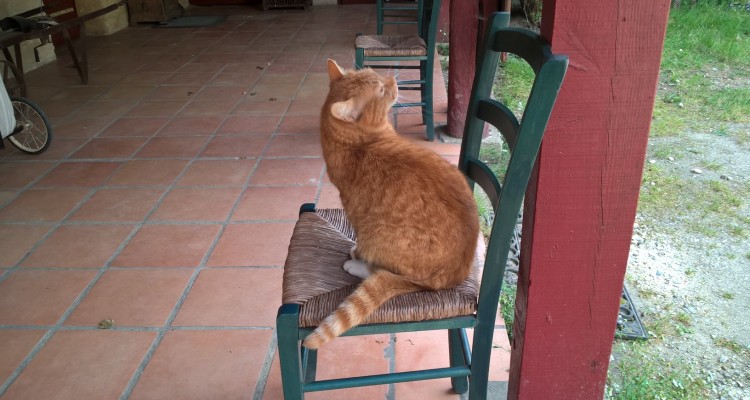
(314, 277)
(391, 46)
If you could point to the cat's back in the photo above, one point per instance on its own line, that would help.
(399, 174)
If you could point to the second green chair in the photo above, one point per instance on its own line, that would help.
(404, 53)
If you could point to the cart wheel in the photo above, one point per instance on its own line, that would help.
(34, 132)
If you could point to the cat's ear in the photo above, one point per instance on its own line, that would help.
(334, 71)
(345, 110)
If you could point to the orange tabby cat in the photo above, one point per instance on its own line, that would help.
(413, 212)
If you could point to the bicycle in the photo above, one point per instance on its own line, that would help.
(23, 123)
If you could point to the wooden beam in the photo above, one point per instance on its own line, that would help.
(465, 25)
(581, 203)
(463, 51)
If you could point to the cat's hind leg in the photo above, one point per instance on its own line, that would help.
(357, 268)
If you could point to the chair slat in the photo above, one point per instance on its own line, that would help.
(500, 117)
(427, 16)
(480, 173)
(523, 43)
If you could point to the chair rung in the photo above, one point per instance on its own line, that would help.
(401, 58)
(399, 22)
(397, 377)
(400, 15)
(465, 321)
(377, 66)
(417, 82)
(401, 105)
(403, 7)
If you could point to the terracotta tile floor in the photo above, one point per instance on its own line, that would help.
(166, 203)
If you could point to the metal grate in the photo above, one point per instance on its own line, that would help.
(629, 325)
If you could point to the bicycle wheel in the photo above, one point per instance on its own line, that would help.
(35, 134)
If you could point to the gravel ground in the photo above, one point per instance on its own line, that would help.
(703, 280)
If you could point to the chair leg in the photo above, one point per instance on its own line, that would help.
(460, 385)
(310, 364)
(289, 351)
(380, 17)
(427, 109)
(480, 363)
(359, 58)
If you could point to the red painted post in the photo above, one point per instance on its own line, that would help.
(581, 203)
(464, 28)
(461, 67)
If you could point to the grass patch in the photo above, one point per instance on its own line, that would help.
(706, 33)
(641, 375)
(486, 213)
(496, 155)
(708, 207)
(508, 307)
(513, 82)
(706, 44)
(731, 345)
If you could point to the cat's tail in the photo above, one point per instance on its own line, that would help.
(373, 292)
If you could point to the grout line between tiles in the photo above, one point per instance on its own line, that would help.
(16, 372)
(390, 355)
(137, 373)
(53, 228)
(52, 330)
(265, 370)
(173, 314)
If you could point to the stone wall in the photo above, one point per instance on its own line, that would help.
(106, 24)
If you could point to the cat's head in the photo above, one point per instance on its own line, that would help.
(360, 96)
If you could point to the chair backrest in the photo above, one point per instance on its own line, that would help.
(429, 12)
(523, 139)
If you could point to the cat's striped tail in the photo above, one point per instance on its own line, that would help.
(373, 292)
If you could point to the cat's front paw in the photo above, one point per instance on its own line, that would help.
(357, 268)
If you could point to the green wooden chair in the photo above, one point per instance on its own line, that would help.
(315, 282)
(399, 52)
(398, 12)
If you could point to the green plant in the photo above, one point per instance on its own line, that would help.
(738, 231)
(721, 130)
(710, 166)
(496, 155)
(731, 345)
(533, 11)
(508, 306)
(704, 42)
(513, 83)
(709, 208)
(640, 375)
(486, 214)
